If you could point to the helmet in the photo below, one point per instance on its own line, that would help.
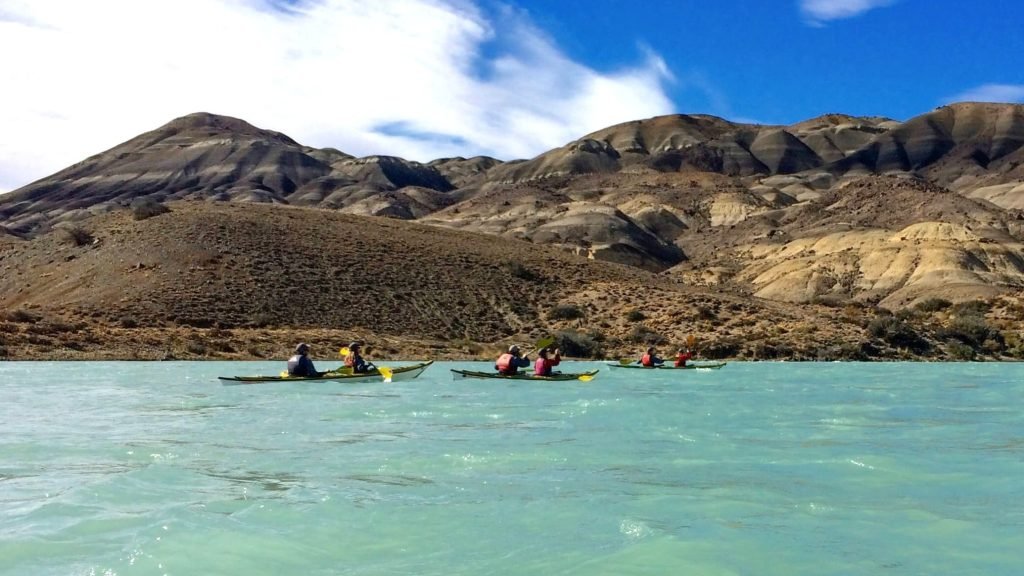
(302, 347)
(513, 349)
(355, 344)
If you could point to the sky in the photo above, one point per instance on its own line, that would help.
(426, 79)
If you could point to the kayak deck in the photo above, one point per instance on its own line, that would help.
(397, 374)
(708, 366)
(556, 377)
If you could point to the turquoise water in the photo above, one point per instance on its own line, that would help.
(760, 468)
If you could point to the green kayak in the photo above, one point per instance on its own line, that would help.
(558, 376)
(397, 374)
(706, 366)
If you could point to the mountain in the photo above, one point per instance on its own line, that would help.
(833, 211)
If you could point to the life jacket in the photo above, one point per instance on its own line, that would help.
(646, 360)
(504, 364)
(350, 361)
(682, 358)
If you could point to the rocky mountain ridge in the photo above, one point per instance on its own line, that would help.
(864, 211)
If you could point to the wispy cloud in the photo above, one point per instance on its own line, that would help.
(1009, 93)
(818, 12)
(416, 78)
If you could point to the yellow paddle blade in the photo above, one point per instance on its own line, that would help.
(626, 361)
(344, 351)
(385, 372)
(690, 341)
(284, 374)
(545, 342)
(585, 378)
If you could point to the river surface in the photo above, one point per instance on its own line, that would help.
(124, 468)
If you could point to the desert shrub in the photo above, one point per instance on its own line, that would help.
(518, 270)
(970, 308)
(720, 349)
(565, 312)
(8, 328)
(197, 348)
(960, 351)
(643, 335)
(933, 305)
(55, 327)
(764, 351)
(262, 320)
(143, 208)
(76, 235)
(706, 313)
(973, 331)
(578, 345)
(635, 316)
(128, 322)
(22, 316)
(897, 333)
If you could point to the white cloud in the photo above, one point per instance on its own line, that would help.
(817, 12)
(420, 79)
(1008, 93)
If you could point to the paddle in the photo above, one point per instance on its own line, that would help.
(385, 372)
(585, 378)
(626, 361)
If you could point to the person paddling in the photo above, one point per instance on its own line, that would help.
(650, 359)
(544, 364)
(300, 364)
(682, 357)
(510, 362)
(355, 360)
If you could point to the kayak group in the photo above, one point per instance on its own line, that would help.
(507, 364)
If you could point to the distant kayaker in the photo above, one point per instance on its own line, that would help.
(682, 357)
(510, 362)
(650, 359)
(300, 364)
(355, 360)
(544, 363)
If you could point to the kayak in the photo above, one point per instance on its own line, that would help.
(708, 366)
(557, 376)
(400, 373)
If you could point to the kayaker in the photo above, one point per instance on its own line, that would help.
(682, 357)
(510, 362)
(355, 360)
(650, 359)
(544, 364)
(300, 364)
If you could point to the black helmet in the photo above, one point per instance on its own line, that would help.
(301, 348)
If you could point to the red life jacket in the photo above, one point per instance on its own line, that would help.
(350, 361)
(646, 360)
(504, 364)
(682, 358)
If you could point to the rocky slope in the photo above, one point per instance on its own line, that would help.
(836, 210)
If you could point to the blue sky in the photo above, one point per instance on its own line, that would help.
(780, 61)
(424, 79)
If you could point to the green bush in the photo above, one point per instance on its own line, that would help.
(635, 316)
